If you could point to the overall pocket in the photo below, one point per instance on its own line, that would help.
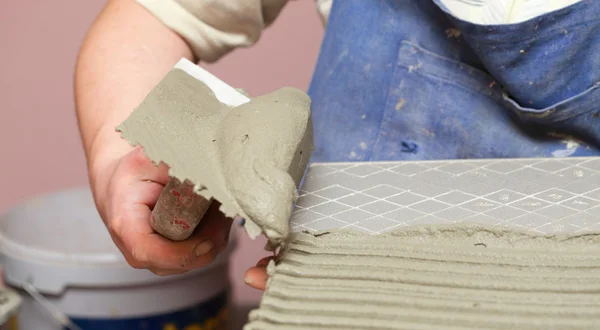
(439, 108)
(548, 66)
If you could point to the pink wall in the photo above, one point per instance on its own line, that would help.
(40, 149)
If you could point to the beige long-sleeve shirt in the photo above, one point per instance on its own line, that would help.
(214, 27)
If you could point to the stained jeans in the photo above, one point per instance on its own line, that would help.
(405, 80)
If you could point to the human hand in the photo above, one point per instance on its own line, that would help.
(257, 276)
(125, 190)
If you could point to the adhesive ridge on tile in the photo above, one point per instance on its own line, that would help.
(433, 277)
(249, 158)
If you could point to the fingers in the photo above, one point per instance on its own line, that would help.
(215, 226)
(134, 189)
(144, 169)
(257, 276)
(143, 248)
(264, 262)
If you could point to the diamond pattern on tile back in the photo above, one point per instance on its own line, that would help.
(334, 192)
(357, 199)
(540, 195)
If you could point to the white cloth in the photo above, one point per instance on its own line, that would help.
(494, 12)
(214, 27)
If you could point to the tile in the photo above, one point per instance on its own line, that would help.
(505, 213)
(456, 168)
(296, 228)
(313, 183)
(303, 217)
(529, 204)
(336, 166)
(404, 215)
(433, 176)
(409, 169)
(334, 192)
(389, 178)
(480, 205)
(509, 225)
(594, 194)
(555, 228)
(357, 184)
(377, 224)
(571, 160)
(356, 199)
(382, 191)
(325, 224)
(321, 170)
(583, 220)
(478, 189)
(531, 220)
(431, 220)
(592, 228)
(357, 229)
(482, 175)
(581, 187)
(481, 219)
(385, 165)
(429, 190)
(429, 206)
(592, 164)
(379, 207)
(505, 196)
(330, 208)
(543, 194)
(310, 200)
(576, 173)
(556, 212)
(551, 166)
(455, 214)
(580, 203)
(455, 197)
(353, 216)
(530, 161)
(362, 170)
(554, 195)
(406, 198)
(530, 188)
(534, 175)
(504, 166)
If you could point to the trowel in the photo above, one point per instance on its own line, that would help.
(179, 210)
(248, 154)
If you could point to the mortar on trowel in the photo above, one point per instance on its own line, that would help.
(220, 145)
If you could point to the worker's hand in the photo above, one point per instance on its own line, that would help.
(256, 276)
(125, 191)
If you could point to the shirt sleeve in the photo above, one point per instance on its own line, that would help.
(214, 27)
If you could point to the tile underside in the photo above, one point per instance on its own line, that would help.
(434, 277)
(543, 196)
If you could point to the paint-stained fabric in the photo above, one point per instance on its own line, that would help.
(213, 28)
(412, 81)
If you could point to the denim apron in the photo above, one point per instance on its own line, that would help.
(406, 80)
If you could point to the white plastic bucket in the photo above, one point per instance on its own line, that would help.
(58, 246)
(10, 302)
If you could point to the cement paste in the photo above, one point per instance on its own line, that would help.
(434, 277)
(249, 158)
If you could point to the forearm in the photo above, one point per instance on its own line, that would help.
(124, 55)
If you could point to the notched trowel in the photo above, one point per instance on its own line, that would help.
(219, 144)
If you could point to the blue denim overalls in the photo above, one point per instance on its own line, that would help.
(405, 80)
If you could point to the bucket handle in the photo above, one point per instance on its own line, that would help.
(48, 307)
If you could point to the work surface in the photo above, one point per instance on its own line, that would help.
(468, 271)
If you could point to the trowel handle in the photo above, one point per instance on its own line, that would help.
(178, 210)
